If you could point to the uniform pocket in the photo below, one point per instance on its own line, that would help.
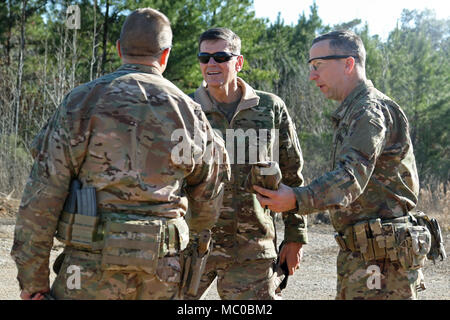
(421, 244)
(64, 228)
(414, 245)
(131, 247)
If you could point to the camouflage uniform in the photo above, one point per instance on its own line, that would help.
(244, 249)
(373, 176)
(114, 134)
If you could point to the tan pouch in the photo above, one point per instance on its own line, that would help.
(183, 232)
(77, 230)
(413, 245)
(64, 228)
(390, 242)
(421, 244)
(84, 231)
(363, 243)
(176, 237)
(131, 247)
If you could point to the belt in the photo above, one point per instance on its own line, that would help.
(171, 242)
(373, 238)
(81, 253)
(174, 232)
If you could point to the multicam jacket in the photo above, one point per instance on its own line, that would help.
(245, 230)
(374, 171)
(115, 134)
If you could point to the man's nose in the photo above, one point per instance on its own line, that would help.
(313, 75)
(212, 61)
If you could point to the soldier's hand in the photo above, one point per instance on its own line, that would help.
(280, 200)
(292, 253)
(31, 296)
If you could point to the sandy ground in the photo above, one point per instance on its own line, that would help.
(315, 280)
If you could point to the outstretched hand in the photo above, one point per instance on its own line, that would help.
(280, 200)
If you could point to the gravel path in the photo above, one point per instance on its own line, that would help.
(315, 280)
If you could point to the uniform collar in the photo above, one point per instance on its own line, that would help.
(140, 68)
(342, 109)
(249, 98)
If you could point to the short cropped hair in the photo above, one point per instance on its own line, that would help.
(145, 32)
(233, 40)
(345, 42)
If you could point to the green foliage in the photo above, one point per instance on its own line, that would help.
(417, 77)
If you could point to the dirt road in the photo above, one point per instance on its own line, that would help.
(316, 279)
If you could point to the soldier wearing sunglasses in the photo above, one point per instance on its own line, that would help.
(244, 250)
(373, 184)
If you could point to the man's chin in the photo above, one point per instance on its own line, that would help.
(328, 95)
(215, 84)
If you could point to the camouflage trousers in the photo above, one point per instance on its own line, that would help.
(94, 284)
(377, 280)
(247, 280)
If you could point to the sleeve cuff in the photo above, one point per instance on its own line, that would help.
(305, 202)
(203, 214)
(295, 227)
(293, 234)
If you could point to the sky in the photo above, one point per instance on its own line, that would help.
(381, 15)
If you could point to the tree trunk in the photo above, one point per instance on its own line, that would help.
(19, 82)
(94, 43)
(74, 58)
(44, 113)
(8, 34)
(105, 37)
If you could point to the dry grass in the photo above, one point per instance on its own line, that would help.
(434, 200)
(12, 180)
(8, 205)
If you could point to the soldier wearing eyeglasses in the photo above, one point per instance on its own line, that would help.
(373, 183)
(244, 250)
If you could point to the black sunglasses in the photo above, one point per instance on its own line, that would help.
(332, 57)
(218, 57)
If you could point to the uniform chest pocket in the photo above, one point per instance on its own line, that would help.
(338, 140)
(340, 134)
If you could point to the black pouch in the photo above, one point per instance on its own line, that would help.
(58, 263)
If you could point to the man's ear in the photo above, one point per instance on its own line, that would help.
(164, 57)
(118, 49)
(239, 63)
(350, 65)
